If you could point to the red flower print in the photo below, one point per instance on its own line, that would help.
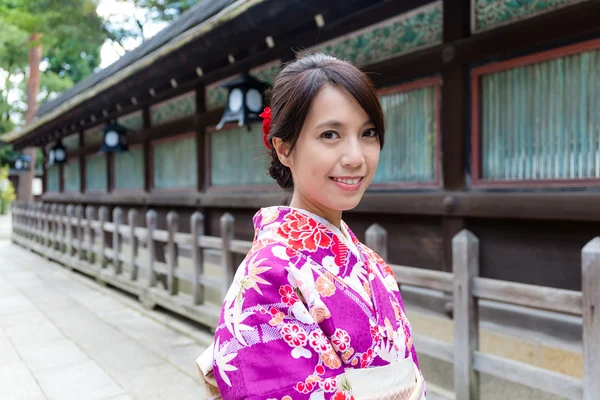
(340, 340)
(319, 342)
(305, 387)
(340, 250)
(294, 335)
(339, 396)
(366, 358)
(303, 232)
(375, 333)
(288, 296)
(320, 370)
(328, 385)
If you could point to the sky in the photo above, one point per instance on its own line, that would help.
(119, 12)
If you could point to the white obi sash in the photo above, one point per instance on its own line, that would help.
(398, 381)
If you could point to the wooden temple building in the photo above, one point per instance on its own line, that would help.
(492, 110)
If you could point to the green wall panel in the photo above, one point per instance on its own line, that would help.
(542, 121)
(409, 154)
(129, 169)
(72, 176)
(175, 164)
(239, 157)
(95, 173)
(53, 179)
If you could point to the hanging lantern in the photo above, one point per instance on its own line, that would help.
(245, 101)
(57, 154)
(115, 139)
(22, 163)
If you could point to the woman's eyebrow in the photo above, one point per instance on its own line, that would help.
(332, 123)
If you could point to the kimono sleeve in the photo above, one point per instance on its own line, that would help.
(267, 345)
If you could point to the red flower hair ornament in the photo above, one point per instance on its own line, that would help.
(266, 126)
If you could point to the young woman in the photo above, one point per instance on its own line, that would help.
(312, 312)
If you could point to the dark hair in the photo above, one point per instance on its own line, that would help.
(292, 95)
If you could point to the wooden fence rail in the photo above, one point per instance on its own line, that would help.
(74, 237)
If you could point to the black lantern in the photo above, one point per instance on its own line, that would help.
(57, 154)
(245, 101)
(115, 139)
(21, 163)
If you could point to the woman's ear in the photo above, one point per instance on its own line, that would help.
(282, 150)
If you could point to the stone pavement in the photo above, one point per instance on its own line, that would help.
(63, 336)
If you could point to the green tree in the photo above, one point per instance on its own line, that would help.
(58, 27)
(7, 191)
(149, 11)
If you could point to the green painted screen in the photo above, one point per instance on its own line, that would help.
(129, 169)
(53, 179)
(409, 153)
(238, 157)
(542, 121)
(175, 164)
(95, 173)
(72, 176)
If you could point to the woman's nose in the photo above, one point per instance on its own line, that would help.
(353, 155)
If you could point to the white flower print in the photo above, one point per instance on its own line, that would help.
(222, 361)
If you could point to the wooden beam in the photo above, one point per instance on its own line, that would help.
(528, 375)
(146, 121)
(200, 123)
(82, 167)
(558, 206)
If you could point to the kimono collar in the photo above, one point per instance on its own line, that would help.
(301, 229)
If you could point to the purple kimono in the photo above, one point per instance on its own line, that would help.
(308, 302)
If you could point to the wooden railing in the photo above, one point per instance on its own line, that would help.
(63, 234)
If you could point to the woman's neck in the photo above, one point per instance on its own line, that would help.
(333, 216)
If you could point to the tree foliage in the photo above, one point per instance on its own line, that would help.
(72, 34)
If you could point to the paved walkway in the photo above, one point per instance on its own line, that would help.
(63, 336)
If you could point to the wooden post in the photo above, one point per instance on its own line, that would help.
(29, 220)
(79, 214)
(376, 236)
(117, 221)
(172, 227)
(151, 227)
(465, 252)
(90, 215)
(53, 226)
(134, 243)
(197, 225)
(40, 222)
(69, 227)
(590, 287)
(31, 224)
(47, 227)
(103, 218)
(227, 225)
(61, 227)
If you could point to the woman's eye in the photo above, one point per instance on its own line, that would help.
(329, 135)
(370, 133)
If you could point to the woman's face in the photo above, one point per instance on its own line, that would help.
(336, 155)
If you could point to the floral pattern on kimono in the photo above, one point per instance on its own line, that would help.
(308, 301)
